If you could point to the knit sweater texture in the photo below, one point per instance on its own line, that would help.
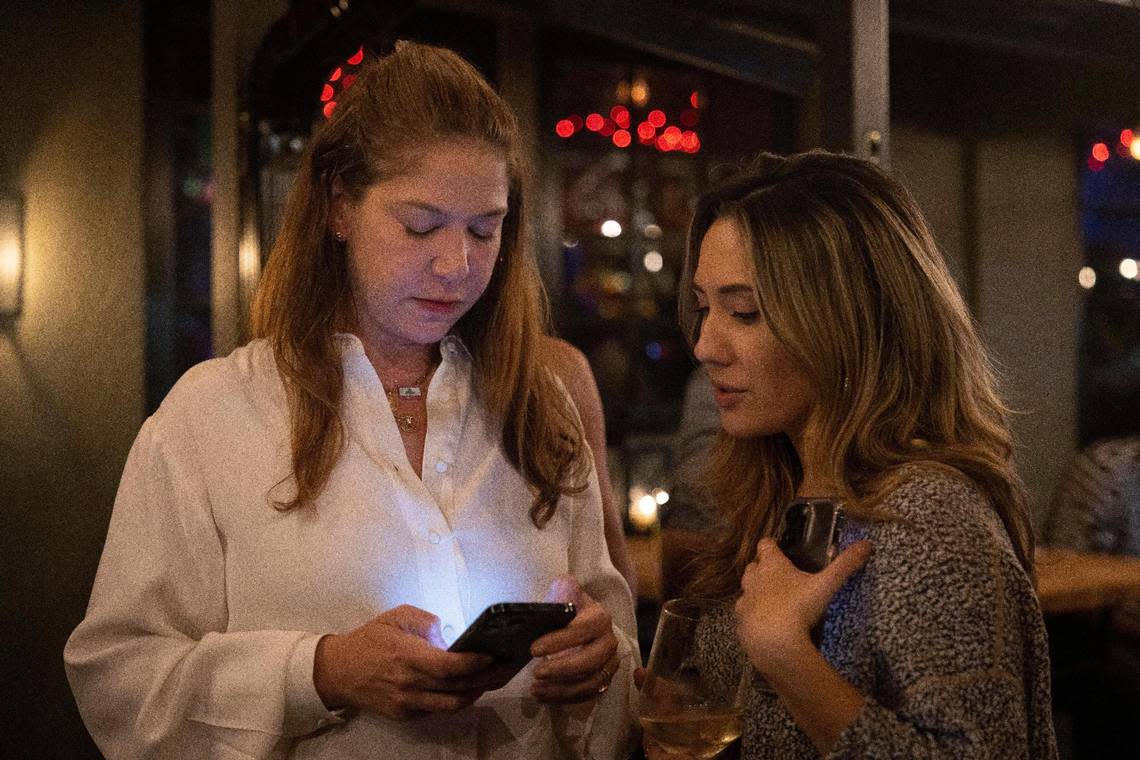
(941, 632)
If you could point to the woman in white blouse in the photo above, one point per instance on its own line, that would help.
(304, 526)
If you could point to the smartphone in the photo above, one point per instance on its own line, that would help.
(810, 532)
(506, 630)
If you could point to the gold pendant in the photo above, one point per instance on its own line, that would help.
(405, 422)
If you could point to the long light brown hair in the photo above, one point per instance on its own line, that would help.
(397, 108)
(850, 280)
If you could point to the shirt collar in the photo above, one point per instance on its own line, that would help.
(451, 347)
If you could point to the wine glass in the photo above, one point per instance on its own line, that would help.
(692, 701)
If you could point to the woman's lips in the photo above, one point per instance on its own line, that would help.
(727, 397)
(438, 307)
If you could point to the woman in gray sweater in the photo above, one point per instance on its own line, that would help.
(845, 365)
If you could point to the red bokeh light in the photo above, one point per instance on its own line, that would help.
(1100, 152)
(663, 144)
(646, 131)
(608, 128)
(576, 120)
(622, 138)
(327, 93)
(620, 115)
(690, 143)
(695, 99)
(594, 122)
(564, 128)
(672, 136)
(656, 118)
(1126, 138)
(357, 57)
(336, 74)
(1095, 165)
(328, 109)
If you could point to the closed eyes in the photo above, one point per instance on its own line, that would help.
(475, 232)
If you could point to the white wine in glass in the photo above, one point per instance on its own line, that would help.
(687, 705)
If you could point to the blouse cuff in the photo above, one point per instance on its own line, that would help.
(601, 728)
(304, 710)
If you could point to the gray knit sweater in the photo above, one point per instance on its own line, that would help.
(941, 632)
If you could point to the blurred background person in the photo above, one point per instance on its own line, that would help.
(1096, 508)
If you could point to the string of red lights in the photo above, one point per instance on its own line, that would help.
(339, 81)
(653, 131)
(1128, 147)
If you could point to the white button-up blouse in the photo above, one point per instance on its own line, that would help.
(208, 604)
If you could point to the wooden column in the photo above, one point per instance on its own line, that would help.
(855, 83)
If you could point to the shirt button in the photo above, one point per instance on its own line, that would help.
(441, 466)
(433, 537)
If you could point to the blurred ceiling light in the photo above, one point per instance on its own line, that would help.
(639, 92)
(1134, 148)
(1128, 269)
(652, 231)
(611, 228)
(653, 261)
(11, 254)
(1087, 277)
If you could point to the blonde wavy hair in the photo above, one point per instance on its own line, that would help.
(852, 283)
(397, 108)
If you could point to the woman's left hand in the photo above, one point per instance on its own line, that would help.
(579, 660)
(780, 603)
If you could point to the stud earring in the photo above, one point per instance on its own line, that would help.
(339, 236)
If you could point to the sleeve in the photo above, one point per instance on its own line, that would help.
(600, 729)
(1087, 513)
(153, 671)
(957, 646)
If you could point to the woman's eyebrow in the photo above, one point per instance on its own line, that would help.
(437, 211)
(734, 288)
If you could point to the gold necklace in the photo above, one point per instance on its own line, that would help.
(405, 422)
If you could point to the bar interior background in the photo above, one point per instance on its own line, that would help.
(150, 142)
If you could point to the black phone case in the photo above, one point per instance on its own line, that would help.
(809, 535)
(505, 631)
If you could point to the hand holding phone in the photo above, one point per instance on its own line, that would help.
(506, 630)
(579, 661)
(393, 666)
